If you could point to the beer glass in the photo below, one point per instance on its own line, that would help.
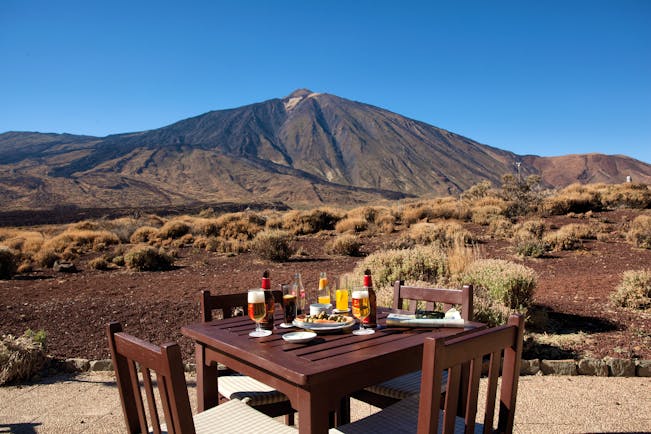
(361, 310)
(289, 305)
(257, 311)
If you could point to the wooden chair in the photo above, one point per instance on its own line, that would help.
(387, 393)
(232, 385)
(424, 413)
(131, 354)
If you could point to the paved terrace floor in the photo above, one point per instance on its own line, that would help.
(89, 403)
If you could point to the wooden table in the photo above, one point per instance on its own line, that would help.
(317, 375)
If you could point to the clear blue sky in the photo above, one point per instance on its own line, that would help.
(533, 77)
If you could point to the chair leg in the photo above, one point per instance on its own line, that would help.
(289, 419)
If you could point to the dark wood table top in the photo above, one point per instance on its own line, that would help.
(326, 369)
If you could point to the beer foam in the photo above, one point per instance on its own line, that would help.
(360, 294)
(256, 296)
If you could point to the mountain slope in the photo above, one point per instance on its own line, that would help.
(307, 148)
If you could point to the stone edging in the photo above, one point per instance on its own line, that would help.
(606, 367)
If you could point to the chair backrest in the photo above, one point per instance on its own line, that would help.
(451, 354)
(165, 361)
(230, 304)
(430, 296)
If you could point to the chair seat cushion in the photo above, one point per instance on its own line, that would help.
(399, 418)
(248, 390)
(403, 386)
(235, 416)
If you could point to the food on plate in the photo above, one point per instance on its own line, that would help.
(324, 318)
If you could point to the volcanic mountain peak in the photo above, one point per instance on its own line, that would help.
(292, 100)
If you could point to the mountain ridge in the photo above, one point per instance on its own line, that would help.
(306, 148)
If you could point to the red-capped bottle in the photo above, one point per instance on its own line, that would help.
(268, 322)
(371, 320)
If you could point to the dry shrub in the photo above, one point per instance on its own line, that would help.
(21, 357)
(385, 223)
(459, 257)
(273, 245)
(576, 198)
(46, 257)
(639, 233)
(345, 245)
(99, 263)
(500, 287)
(8, 263)
(143, 234)
(220, 245)
(445, 208)
(73, 241)
(351, 224)
(500, 227)
(535, 227)
(311, 222)
(629, 195)
(173, 229)
(483, 215)
(527, 244)
(421, 263)
(241, 225)
(124, 227)
(569, 237)
(147, 258)
(442, 233)
(634, 291)
(26, 242)
(477, 191)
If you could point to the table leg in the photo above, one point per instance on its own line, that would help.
(313, 415)
(207, 394)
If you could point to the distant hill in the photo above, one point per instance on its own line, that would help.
(305, 149)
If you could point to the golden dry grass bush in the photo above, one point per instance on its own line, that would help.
(76, 241)
(639, 234)
(526, 243)
(46, 257)
(99, 263)
(240, 225)
(459, 257)
(20, 357)
(445, 233)
(562, 240)
(628, 195)
(351, 224)
(274, 245)
(385, 223)
(439, 208)
(124, 227)
(634, 291)
(500, 227)
(26, 242)
(482, 215)
(576, 198)
(535, 227)
(147, 258)
(312, 221)
(173, 229)
(143, 234)
(344, 245)
(222, 245)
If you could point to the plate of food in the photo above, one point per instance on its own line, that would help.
(299, 337)
(324, 322)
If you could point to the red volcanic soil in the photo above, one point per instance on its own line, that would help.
(573, 287)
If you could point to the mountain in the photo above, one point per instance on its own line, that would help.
(305, 149)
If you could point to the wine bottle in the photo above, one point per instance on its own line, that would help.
(268, 322)
(371, 320)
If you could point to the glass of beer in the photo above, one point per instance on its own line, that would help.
(257, 311)
(361, 310)
(289, 305)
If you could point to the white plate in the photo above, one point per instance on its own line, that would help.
(299, 337)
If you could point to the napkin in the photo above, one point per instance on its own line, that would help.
(402, 320)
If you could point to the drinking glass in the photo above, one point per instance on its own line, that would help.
(289, 305)
(361, 310)
(257, 311)
(341, 295)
